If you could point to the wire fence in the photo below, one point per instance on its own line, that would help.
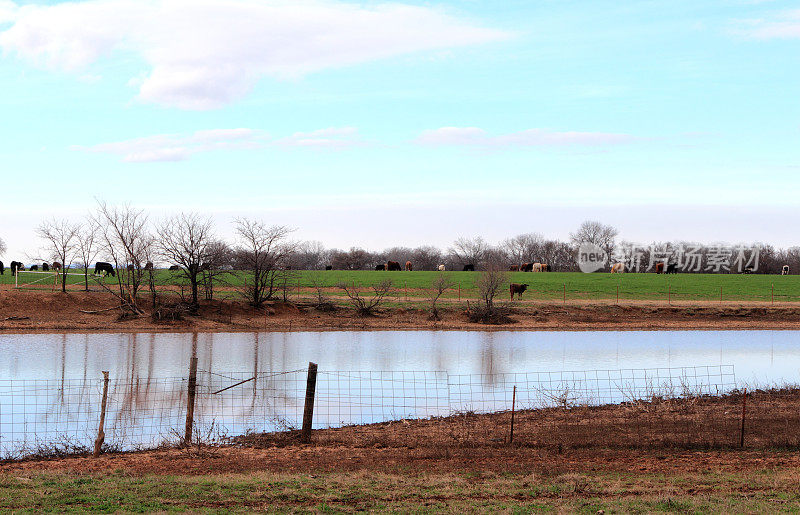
(51, 418)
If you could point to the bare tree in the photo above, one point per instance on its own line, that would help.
(426, 257)
(87, 249)
(469, 250)
(524, 248)
(592, 231)
(365, 306)
(440, 284)
(184, 240)
(124, 236)
(217, 264)
(62, 238)
(262, 254)
(489, 284)
(3, 247)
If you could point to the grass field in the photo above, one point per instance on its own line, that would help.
(542, 286)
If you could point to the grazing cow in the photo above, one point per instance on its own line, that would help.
(519, 289)
(101, 267)
(2, 268)
(513, 268)
(174, 268)
(380, 267)
(748, 270)
(45, 267)
(442, 268)
(16, 266)
(148, 265)
(618, 268)
(328, 267)
(545, 267)
(659, 268)
(34, 268)
(672, 268)
(408, 266)
(526, 267)
(56, 266)
(393, 266)
(536, 267)
(130, 268)
(784, 270)
(469, 268)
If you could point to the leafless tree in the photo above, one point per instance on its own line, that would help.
(592, 231)
(3, 247)
(441, 283)
(261, 255)
(217, 264)
(426, 257)
(489, 283)
(184, 240)
(365, 306)
(354, 259)
(524, 248)
(309, 255)
(62, 240)
(87, 249)
(469, 250)
(125, 238)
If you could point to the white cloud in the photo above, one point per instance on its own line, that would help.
(332, 137)
(172, 147)
(202, 54)
(786, 25)
(474, 136)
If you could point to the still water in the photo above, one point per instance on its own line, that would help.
(764, 357)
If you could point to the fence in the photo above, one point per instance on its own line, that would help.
(41, 417)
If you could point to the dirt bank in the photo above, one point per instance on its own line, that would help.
(24, 311)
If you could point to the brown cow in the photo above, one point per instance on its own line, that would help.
(408, 266)
(526, 267)
(659, 268)
(393, 266)
(545, 267)
(618, 268)
(519, 289)
(513, 268)
(148, 265)
(56, 266)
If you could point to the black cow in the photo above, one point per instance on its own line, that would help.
(469, 268)
(328, 267)
(393, 266)
(526, 267)
(2, 268)
(104, 268)
(519, 289)
(34, 268)
(672, 268)
(16, 266)
(45, 267)
(148, 265)
(380, 267)
(174, 268)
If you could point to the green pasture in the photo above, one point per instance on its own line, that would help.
(541, 286)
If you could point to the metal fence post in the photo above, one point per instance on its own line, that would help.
(192, 391)
(513, 406)
(101, 435)
(308, 412)
(744, 407)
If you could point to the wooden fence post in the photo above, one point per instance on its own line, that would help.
(187, 439)
(565, 294)
(513, 406)
(669, 295)
(618, 294)
(720, 293)
(744, 407)
(101, 435)
(308, 412)
(773, 293)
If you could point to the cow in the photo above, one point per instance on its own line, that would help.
(328, 267)
(409, 267)
(441, 268)
(2, 268)
(672, 268)
(148, 265)
(45, 267)
(101, 267)
(513, 268)
(469, 267)
(130, 267)
(536, 267)
(618, 268)
(174, 268)
(519, 289)
(16, 266)
(784, 270)
(545, 267)
(393, 266)
(34, 268)
(380, 267)
(659, 268)
(748, 270)
(56, 266)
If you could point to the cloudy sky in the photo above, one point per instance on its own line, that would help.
(383, 123)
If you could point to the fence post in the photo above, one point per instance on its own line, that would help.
(513, 405)
(744, 407)
(101, 435)
(405, 290)
(720, 293)
(308, 412)
(187, 439)
(459, 290)
(669, 295)
(773, 293)
(565, 294)
(617, 294)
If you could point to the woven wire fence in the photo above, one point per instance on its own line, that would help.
(50, 418)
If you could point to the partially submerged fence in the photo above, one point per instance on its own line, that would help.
(650, 406)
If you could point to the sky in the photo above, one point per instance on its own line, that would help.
(376, 124)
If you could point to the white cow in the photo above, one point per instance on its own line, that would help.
(785, 270)
(618, 268)
(441, 268)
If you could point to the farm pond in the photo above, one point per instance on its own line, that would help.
(51, 384)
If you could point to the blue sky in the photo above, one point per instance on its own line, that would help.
(381, 123)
